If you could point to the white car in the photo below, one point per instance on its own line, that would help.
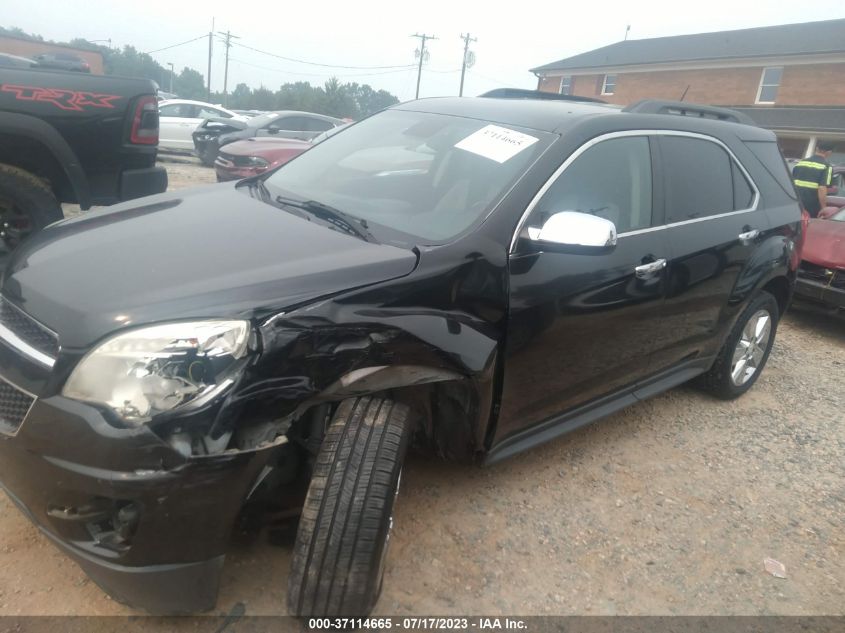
(178, 118)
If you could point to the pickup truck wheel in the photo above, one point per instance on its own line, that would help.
(27, 205)
(746, 350)
(341, 544)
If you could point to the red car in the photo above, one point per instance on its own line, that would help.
(821, 276)
(254, 156)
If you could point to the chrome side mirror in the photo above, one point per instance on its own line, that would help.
(571, 228)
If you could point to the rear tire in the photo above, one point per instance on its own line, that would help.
(341, 544)
(27, 205)
(729, 377)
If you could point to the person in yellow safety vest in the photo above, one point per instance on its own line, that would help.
(812, 177)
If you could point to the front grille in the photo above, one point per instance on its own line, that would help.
(813, 272)
(28, 329)
(14, 405)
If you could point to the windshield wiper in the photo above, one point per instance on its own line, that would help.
(335, 217)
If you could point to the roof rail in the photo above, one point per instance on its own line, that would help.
(682, 108)
(520, 93)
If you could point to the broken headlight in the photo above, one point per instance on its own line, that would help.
(144, 372)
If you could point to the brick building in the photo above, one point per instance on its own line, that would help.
(29, 48)
(788, 78)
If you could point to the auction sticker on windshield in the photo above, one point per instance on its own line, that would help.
(496, 143)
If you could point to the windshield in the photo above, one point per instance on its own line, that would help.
(430, 176)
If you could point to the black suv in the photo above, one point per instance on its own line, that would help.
(470, 276)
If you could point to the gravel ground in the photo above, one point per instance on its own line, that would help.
(668, 507)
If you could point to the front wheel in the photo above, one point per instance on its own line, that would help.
(746, 350)
(27, 205)
(341, 544)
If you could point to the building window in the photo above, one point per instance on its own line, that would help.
(566, 85)
(608, 86)
(769, 84)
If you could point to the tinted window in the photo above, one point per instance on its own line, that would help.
(743, 194)
(768, 153)
(698, 178)
(318, 125)
(291, 124)
(611, 180)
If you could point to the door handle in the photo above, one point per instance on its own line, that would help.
(647, 270)
(749, 236)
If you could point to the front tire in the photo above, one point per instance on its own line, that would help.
(341, 544)
(27, 205)
(746, 350)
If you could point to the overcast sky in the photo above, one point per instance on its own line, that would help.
(512, 36)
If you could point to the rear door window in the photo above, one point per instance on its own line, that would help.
(291, 124)
(698, 177)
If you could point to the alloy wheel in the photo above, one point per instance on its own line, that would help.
(751, 347)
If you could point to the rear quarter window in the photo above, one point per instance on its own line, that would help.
(768, 153)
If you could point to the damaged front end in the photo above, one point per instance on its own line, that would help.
(136, 467)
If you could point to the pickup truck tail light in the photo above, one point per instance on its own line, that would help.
(145, 122)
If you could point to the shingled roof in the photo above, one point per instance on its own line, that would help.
(809, 38)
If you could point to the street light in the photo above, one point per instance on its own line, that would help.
(171, 76)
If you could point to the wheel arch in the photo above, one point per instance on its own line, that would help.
(768, 267)
(36, 146)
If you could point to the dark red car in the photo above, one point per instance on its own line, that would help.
(821, 276)
(254, 156)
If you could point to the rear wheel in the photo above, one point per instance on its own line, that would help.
(27, 205)
(745, 352)
(341, 545)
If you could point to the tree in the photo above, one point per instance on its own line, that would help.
(241, 97)
(263, 99)
(18, 32)
(190, 84)
(339, 101)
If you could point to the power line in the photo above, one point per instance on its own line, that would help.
(302, 61)
(496, 81)
(423, 39)
(327, 74)
(175, 45)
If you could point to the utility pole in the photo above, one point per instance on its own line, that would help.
(171, 76)
(627, 30)
(467, 39)
(228, 42)
(210, 49)
(423, 39)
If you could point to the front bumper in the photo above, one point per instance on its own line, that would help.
(147, 524)
(820, 292)
(226, 170)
